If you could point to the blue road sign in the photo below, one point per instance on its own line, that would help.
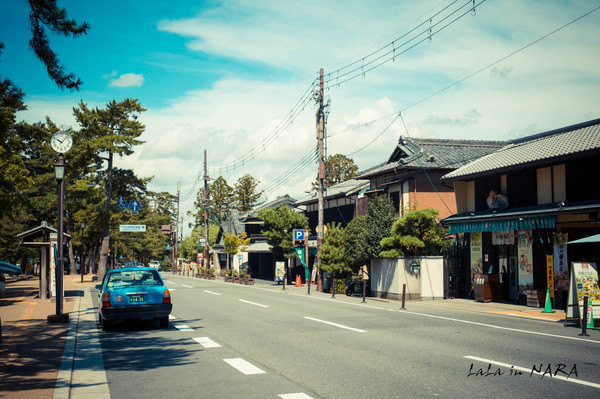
(121, 203)
(134, 205)
(298, 235)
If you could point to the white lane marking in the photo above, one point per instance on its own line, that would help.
(207, 342)
(171, 317)
(186, 286)
(183, 327)
(335, 324)
(299, 395)
(169, 281)
(253, 303)
(341, 302)
(529, 370)
(211, 292)
(172, 289)
(499, 327)
(244, 366)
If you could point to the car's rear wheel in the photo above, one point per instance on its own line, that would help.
(105, 324)
(163, 322)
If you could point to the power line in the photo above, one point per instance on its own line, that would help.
(399, 113)
(392, 50)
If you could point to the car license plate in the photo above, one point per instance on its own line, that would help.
(136, 298)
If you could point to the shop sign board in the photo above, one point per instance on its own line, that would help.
(476, 257)
(583, 282)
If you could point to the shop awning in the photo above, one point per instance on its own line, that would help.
(524, 218)
(524, 223)
(586, 240)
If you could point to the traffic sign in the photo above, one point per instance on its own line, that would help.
(298, 235)
(134, 205)
(133, 228)
(121, 203)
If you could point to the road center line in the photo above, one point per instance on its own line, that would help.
(186, 286)
(243, 366)
(253, 303)
(211, 292)
(207, 342)
(183, 327)
(529, 371)
(335, 324)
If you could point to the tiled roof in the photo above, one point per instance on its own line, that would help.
(284, 199)
(433, 154)
(344, 188)
(552, 146)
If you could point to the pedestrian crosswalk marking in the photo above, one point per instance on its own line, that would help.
(299, 395)
(211, 292)
(186, 286)
(207, 342)
(243, 366)
(183, 327)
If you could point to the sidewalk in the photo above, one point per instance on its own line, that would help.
(32, 349)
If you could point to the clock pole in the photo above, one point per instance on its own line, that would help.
(59, 171)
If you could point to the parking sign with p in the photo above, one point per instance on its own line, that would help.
(298, 235)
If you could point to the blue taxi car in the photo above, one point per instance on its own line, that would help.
(133, 293)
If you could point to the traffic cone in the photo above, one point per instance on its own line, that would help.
(590, 321)
(298, 281)
(548, 308)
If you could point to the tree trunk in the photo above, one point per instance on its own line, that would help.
(91, 258)
(67, 227)
(106, 221)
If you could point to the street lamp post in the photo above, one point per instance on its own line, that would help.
(59, 172)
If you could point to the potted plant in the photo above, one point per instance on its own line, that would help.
(210, 273)
(228, 277)
(236, 276)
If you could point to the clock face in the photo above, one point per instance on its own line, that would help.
(61, 142)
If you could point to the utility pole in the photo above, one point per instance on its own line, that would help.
(206, 260)
(320, 137)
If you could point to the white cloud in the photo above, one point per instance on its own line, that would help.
(128, 80)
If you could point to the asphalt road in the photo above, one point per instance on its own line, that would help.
(233, 341)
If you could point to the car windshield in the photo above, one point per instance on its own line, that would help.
(133, 277)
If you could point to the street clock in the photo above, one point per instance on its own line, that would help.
(61, 142)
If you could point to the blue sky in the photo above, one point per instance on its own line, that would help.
(222, 76)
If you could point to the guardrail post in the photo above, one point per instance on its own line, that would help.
(584, 321)
(403, 296)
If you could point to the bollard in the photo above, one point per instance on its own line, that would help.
(584, 321)
(403, 296)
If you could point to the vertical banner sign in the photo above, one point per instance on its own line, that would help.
(550, 274)
(525, 260)
(476, 258)
(279, 271)
(561, 271)
(53, 265)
